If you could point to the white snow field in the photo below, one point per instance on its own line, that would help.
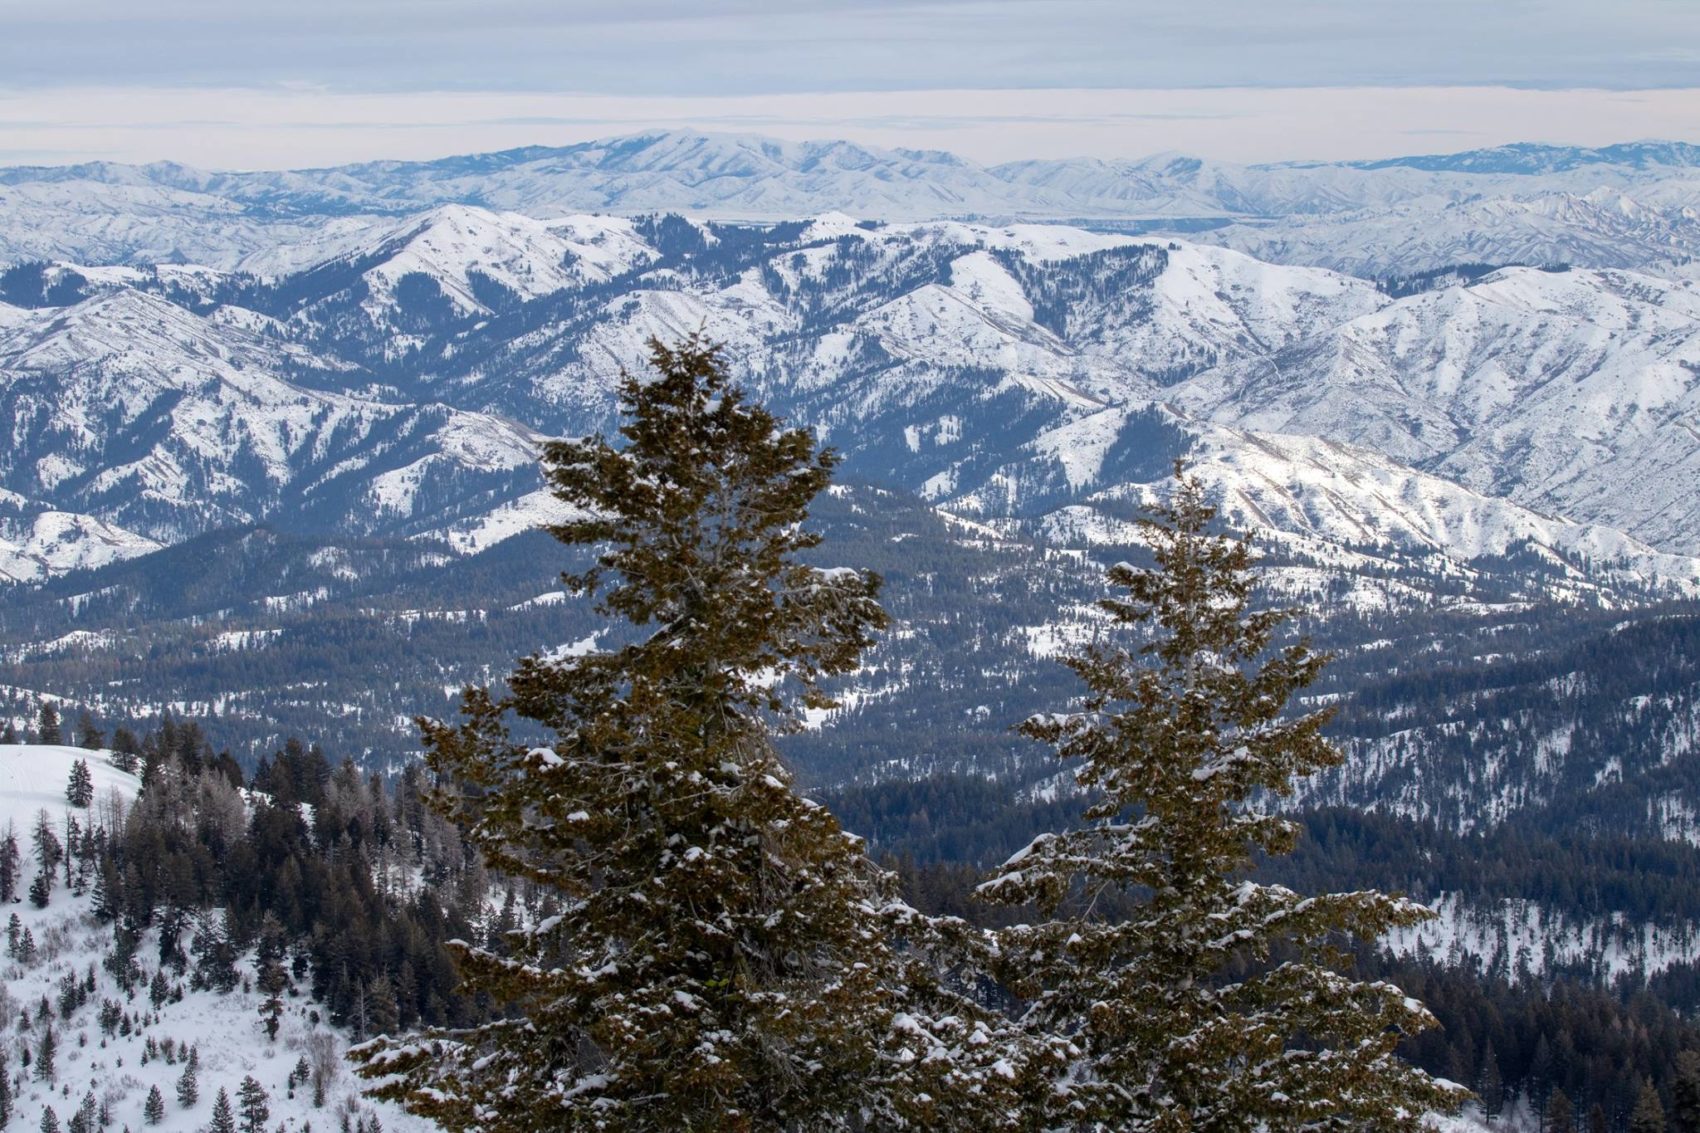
(225, 1029)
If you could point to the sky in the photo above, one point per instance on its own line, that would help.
(269, 84)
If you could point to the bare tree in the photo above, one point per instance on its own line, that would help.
(326, 1063)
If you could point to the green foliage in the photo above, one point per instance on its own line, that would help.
(723, 957)
(1209, 1001)
(47, 724)
(223, 1118)
(253, 1106)
(1685, 1093)
(46, 1052)
(1649, 1113)
(79, 790)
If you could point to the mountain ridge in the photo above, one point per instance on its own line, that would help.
(217, 217)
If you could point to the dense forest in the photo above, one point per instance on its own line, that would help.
(354, 885)
(350, 884)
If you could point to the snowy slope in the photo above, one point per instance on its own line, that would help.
(39, 544)
(225, 1029)
(98, 221)
(474, 255)
(1574, 392)
(33, 779)
(1347, 507)
(1002, 370)
(1604, 227)
(165, 423)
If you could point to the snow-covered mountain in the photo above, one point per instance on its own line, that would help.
(1620, 206)
(36, 543)
(1645, 227)
(289, 486)
(164, 423)
(1482, 440)
(1573, 392)
(471, 259)
(998, 371)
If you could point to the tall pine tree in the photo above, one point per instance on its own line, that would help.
(47, 724)
(1208, 1001)
(726, 955)
(1648, 1116)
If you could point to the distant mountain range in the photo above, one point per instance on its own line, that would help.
(1034, 374)
(1631, 205)
(271, 440)
(366, 386)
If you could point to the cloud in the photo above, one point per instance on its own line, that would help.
(746, 47)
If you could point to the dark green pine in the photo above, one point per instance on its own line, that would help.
(1174, 992)
(727, 958)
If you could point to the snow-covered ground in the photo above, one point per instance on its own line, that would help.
(1524, 939)
(224, 1029)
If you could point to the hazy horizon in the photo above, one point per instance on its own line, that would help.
(301, 130)
(317, 82)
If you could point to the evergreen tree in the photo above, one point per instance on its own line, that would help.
(382, 1015)
(49, 1121)
(1213, 1002)
(79, 791)
(89, 737)
(10, 734)
(251, 1104)
(188, 1087)
(1560, 1114)
(47, 1051)
(47, 724)
(223, 1119)
(41, 890)
(1597, 1122)
(272, 978)
(271, 1009)
(11, 867)
(1492, 1086)
(1685, 1093)
(126, 750)
(153, 1110)
(49, 852)
(724, 958)
(1649, 1113)
(5, 1094)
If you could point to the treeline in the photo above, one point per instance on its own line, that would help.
(350, 884)
(1533, 1042)
(1510, 1040)
(355, 884)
